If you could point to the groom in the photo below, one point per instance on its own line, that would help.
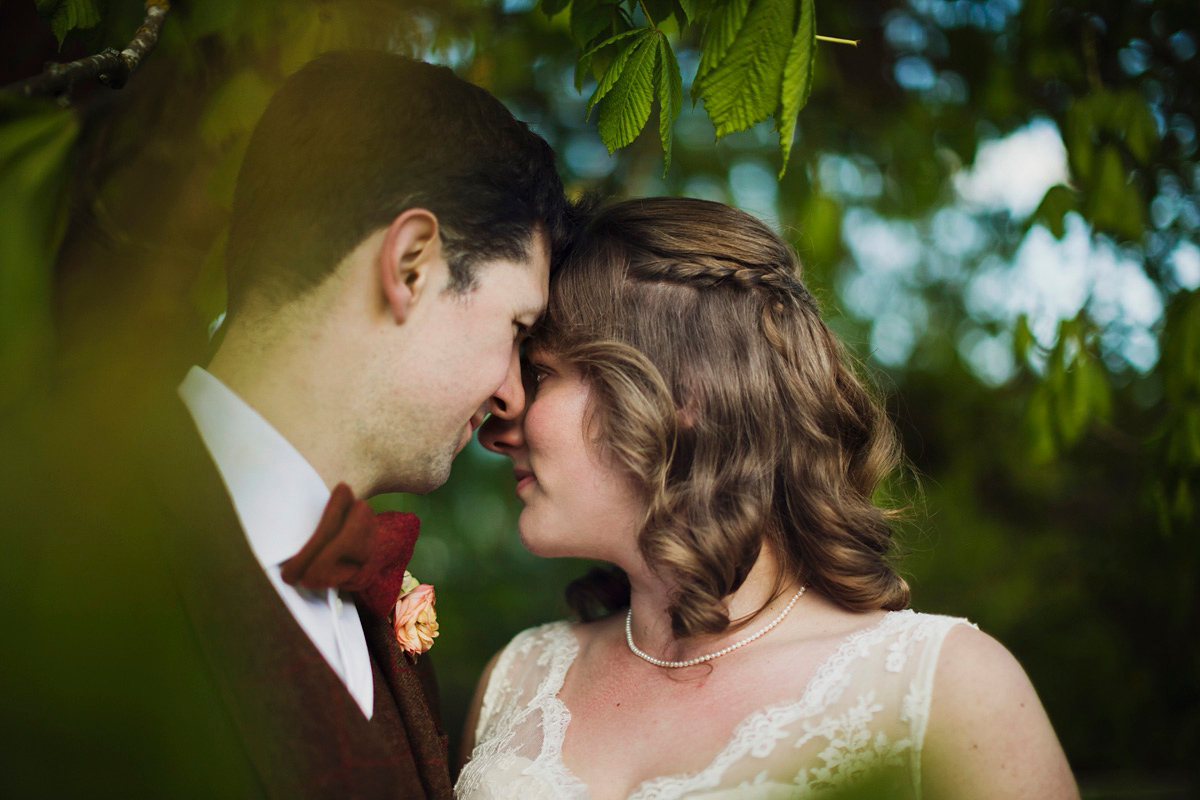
(390, 244)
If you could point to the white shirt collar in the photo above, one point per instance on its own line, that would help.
(278, 496)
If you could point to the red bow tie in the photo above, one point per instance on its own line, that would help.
(357, 550)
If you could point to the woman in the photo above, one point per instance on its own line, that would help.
(694, 424)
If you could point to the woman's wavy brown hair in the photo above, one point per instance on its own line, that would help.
(721, 392)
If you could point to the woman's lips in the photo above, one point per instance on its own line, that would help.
(524, 478)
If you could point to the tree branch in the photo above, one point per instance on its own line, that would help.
(111, 67)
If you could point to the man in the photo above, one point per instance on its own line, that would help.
(390, 244)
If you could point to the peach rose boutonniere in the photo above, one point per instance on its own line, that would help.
(415, 620)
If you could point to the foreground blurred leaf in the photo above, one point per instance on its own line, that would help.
(36, 143)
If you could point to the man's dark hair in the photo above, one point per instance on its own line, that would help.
(352, 140)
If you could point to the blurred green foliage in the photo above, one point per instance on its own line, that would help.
(1059, 451)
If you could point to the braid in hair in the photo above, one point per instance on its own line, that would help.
(764, 436)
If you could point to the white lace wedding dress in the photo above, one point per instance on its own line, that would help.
(862, 715)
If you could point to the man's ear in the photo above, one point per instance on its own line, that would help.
(408, 260)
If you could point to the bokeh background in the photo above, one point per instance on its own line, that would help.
(997, 203)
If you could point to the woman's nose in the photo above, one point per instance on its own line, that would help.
(503, 434)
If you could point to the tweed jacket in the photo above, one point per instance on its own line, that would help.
(283, 708)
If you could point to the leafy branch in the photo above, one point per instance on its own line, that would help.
(756, 61)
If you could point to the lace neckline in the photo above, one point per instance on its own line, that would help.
(821, 689)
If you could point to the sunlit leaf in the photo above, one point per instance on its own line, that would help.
(617, 68)
(670, 96)
(743, 87)
(719, 35)
(627, 106)
(797, 78)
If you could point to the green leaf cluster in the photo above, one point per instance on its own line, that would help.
(644, 69)
(756, 60)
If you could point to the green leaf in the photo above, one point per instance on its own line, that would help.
(1022, 339)
(688, 7)
(743, 87)
(670, 96)
(613, 40)
(1038, 429)
(1114, 203)
(1058, 201)
(617, 67)
(590, 18)
(627, 106)
(1135, 123)
(797, 78)
(36, 144)
(660, 10)
(719, 35)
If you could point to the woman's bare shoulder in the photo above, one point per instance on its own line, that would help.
(988, 735)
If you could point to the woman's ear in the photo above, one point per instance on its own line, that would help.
(411, 254)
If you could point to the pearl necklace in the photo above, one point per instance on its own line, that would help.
(633, 648)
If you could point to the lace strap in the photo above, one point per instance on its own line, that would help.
(932, 631)
(499, 681)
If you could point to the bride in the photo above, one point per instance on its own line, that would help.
(695, 424)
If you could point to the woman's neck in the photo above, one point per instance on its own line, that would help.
(650, 599)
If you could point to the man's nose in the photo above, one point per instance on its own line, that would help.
(508, 401)
(503, 431)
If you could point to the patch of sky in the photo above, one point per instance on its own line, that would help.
(950, 88)
(1135, 59)
(903, 32)
(1050, 280)
(518, 6)
(1183, 128)
(881, 246)
(706, 187)
(989, 357)
(990, 15)
(886, 254)
(454, 53)
(1185, 265)
(587, 156)
(755, 190)
(1013, 173)
(956, 232)
(689, 59)
(1183, 44)
(694, 129)
(848, 178)
(892, 340)
(915, 73)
